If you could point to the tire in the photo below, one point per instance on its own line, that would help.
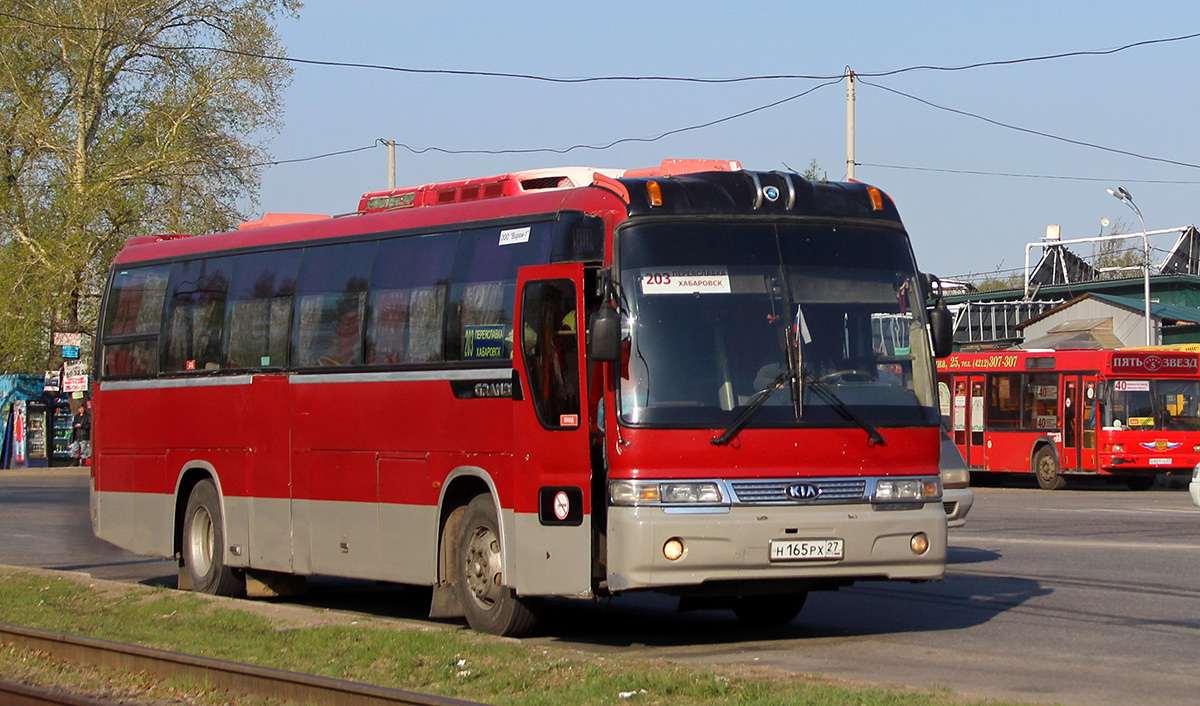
(768, 611)
(1045, 467)
(1140, 483)
(203, 543)
(489, 604)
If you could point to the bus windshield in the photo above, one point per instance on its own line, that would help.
(708, 308)
(1162, 405)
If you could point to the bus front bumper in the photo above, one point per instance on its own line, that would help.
(736, 544)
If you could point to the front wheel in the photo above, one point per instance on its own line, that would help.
(768, 611)
(489, 604)
(204, 542)
(1045, 467)
(1140, 482)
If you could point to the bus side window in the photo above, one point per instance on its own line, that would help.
(483, 289)
(259, 310)
(196, 314)
(331, 301)
(408, 299)
(132, 321)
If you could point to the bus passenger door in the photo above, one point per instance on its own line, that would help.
(958, 415)
(1088, 413)
(976, 405)
(551, 543)
(1070, 412)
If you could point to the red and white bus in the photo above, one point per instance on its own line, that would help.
(695, 379)
(1128, 414)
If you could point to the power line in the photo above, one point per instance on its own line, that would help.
(1029, 131)
(623, 140)
(827, 81)
(596, 79)
(688, 79)
(1060, 177)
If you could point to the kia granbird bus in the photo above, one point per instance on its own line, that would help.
(1128, 415)
(694, 379)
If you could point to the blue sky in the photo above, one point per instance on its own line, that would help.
(1144, 100)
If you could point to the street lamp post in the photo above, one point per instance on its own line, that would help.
(1123, 196)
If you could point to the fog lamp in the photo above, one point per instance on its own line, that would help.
(674, 550)
(919, 543)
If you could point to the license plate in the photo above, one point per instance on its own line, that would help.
(806, 549)
(1160, 462)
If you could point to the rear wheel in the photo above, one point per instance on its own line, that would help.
(204, 542)
(489, 604)
(1045, 467)
(769, 610)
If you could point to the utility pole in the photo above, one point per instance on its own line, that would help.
(849, 124)
(391, 145)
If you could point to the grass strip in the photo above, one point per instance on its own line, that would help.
(445, 662)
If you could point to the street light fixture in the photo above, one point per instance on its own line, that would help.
(1123, 196)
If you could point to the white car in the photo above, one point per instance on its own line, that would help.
(957, 497)
(1194, 486)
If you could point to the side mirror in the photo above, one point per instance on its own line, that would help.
(941, 324)
(604, 335)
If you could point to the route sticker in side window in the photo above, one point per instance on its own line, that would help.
(512, 236)
(684, 280)
(483, 342)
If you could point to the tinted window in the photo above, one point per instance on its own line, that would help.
(551, 347)
(331, 299)
(135, 302)
(483, 290)
(408, 299)
(259, 311)
(132, 321)
(197, 314)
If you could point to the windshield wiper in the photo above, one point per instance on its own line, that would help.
(876, 439)
(760, 398)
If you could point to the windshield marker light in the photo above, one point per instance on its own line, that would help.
(654, 193)
(876, 198)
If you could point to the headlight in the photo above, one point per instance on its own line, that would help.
(642, 492)
(956, 478)
(907, 490)
(1196, 473)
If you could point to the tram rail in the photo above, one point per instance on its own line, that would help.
(236, 678)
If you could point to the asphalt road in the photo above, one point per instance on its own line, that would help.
(1084, 596)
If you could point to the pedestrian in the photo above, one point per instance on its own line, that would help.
(83, 433)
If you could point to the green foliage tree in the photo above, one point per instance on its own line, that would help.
(121, 118)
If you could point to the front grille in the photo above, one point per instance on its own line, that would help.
(951, 507)
(836, 490)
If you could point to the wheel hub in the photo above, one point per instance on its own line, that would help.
(484, 579)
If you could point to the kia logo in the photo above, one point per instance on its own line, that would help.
(803, 491)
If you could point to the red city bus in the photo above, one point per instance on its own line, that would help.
(1128, 414)
(694, 379)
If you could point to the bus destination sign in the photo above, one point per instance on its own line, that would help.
(1124, 363)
